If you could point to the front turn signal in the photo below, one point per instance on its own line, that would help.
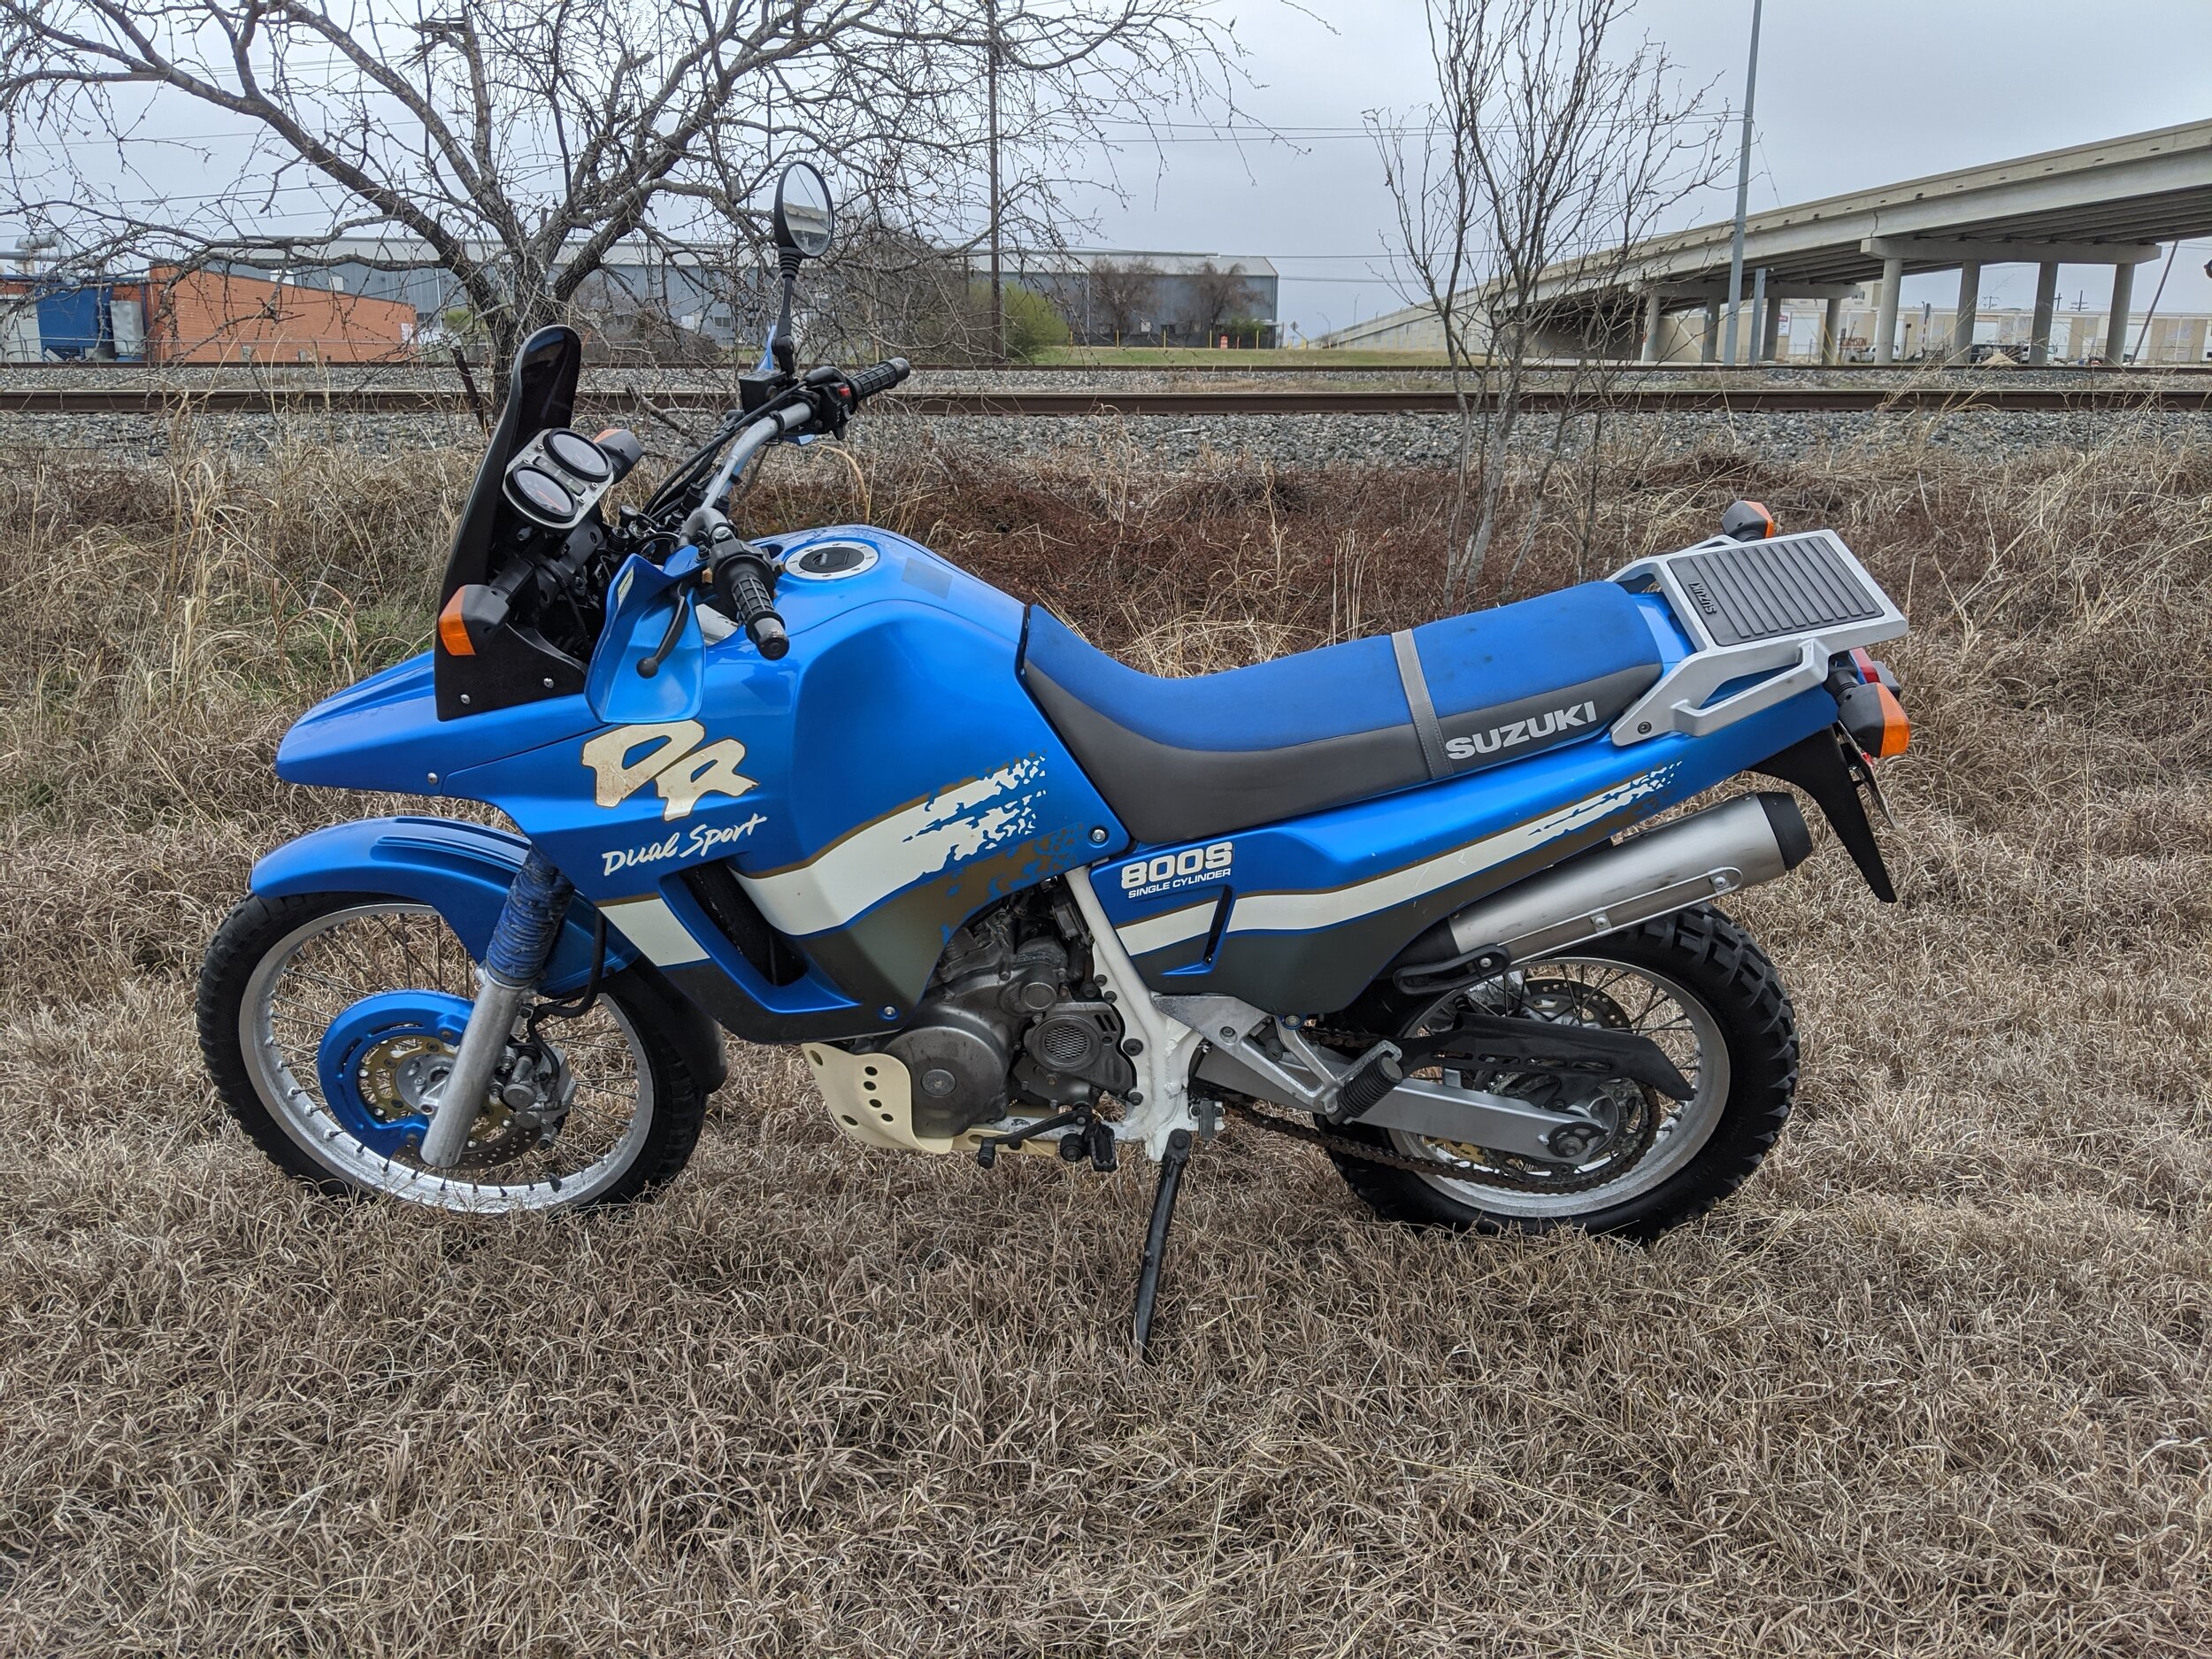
(453, 628)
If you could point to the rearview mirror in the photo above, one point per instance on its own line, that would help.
(804, 218)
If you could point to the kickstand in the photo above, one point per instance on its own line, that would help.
(1172, 1163)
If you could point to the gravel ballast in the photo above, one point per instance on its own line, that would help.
(1168, 443)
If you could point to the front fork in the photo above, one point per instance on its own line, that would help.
(521, 945)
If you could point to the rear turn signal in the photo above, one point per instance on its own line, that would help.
(1747, 521)
(1896, 729)
(1876, 721)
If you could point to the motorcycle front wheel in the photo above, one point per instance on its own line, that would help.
(327, 1020)
(1695, 984)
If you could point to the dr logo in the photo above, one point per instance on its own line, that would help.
(674, 764)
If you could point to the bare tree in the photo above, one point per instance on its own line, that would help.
(517, 143)
(1124, 296)
(1216, 296)
(1550, 152)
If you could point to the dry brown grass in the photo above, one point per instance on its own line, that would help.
(1935, 1383)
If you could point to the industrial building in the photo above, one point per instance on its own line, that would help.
(1164, 299)
(698, 297)
(172, 315)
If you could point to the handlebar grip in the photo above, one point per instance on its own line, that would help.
(755, 612)
(882, 377)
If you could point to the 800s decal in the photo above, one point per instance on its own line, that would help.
(1168, 872)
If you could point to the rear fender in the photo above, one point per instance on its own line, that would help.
(462, 872)
(1821, 766)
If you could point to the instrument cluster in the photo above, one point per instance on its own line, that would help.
(560, 474)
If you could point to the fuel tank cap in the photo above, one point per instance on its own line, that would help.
(831, 561)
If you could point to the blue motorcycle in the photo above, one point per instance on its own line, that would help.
(1005, 892)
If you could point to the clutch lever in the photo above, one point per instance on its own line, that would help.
(652, 665)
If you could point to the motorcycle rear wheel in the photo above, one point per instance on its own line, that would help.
(282, 974)
(1699, 985)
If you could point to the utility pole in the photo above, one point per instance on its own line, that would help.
(1743, 189)
(990, 81)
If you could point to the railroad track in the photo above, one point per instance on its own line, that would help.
(604, 401)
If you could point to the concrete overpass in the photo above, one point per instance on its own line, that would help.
(2114, 203)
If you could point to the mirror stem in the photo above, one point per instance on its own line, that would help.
(786, 348)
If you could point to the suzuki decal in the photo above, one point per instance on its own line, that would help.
(676, 766)
(1169, 873)
(1514, 732)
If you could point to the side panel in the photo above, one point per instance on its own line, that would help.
(1299, 917)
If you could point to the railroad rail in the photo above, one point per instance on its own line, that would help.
(1314, 362)
(1320, 400)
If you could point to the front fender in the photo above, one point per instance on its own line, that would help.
(462, 872)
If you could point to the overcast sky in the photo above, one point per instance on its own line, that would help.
(1850, 97)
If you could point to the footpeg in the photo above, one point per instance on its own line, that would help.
(1373, 1075)
(1093, 1140)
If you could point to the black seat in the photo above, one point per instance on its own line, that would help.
(1183, 760)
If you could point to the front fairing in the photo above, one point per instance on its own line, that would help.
(384, 734)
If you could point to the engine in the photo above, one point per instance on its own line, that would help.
(1003, 1023)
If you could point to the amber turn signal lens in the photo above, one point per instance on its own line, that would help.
(453, 631)
(1896, 729)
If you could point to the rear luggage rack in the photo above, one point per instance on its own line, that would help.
(1788, 603)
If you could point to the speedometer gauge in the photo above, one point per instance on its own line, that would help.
(540, 495)
(576, 454)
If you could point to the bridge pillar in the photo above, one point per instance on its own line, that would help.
(1709, 348)
(1654, 315)
(1770, 333)
(1885, 319)
(1832, 330)
(1969, 307)
(2046, 308)
(2115, 333)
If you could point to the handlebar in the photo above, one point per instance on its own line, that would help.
(741, 581)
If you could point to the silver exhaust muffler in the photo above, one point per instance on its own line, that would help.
(1737, 844)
